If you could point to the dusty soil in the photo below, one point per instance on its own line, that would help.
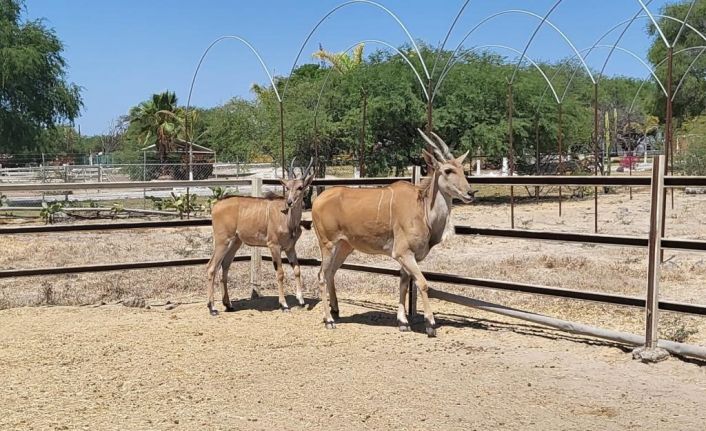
(112, 367)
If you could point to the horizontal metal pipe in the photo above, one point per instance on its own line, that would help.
(8, 273)
(84, 209)
(672, 244)
(571, 327)
(546, 180)
(554, 236)
(120, 185)
(549, 180)
(675, 181)
(105, 226)
(345, 181)
(557, 292)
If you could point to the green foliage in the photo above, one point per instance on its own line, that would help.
(690, 100)
(50, 210)
(117, 208)
(159, 121)
(692, 161)
(34, 95)
(183, 203)
(217, 193)
(323, 113)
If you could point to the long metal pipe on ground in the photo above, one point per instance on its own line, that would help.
(571, 327)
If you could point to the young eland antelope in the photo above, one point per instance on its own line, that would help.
(402, 221)
(271, 221)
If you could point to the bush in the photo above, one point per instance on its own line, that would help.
(693, 160)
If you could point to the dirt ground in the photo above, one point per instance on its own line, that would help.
(67, 361)
(112, 367)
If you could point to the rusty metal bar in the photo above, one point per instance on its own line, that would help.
(668, 135)
(361, 162)
(412, 288)
(45, 187)
(595, 155)
(531, 180)
(561, 158)
(511, 152)
(281, 134)
(12, 273)
(14, 230)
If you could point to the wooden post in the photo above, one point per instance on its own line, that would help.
(256, 257)
(412, 288)
(650, 353)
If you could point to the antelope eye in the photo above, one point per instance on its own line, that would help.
(448, 171)
(299, 188)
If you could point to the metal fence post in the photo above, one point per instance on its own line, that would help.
(650, 352)
(256, 257)
(412, 288)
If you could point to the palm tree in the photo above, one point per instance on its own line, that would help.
(342, 62)
(160, 120)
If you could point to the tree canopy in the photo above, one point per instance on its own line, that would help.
(34, 94)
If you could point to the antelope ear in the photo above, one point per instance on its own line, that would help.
(462, 158)
(432, 163)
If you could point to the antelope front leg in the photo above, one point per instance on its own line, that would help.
(276, 252)
(409, 264)
(401, 310)
(324, 273)
(292, 257)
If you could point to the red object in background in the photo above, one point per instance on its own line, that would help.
(628, 161)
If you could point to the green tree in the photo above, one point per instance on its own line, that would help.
(690, 100)
(34, 93)
(159, 121)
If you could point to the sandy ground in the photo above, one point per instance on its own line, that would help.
(112, 367)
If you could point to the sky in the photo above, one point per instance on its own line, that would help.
(120, 52)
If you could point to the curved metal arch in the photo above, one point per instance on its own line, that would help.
(449, 63)
(688, 69)
(637, 57)
(654, 22)
(348, 3)
(531, 39)
(215, 42)
(674, 94)
(516, 51)
(629, 22)
(686, 18)
(382, 42)
(448, 34)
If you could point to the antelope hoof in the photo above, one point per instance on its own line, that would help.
(213, 312)
(404, 327)
(284, 309)
(330, 325)
(229, 309)
(431, 331)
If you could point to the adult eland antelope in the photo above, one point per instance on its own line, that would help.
(402, 220)
(271, 221)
